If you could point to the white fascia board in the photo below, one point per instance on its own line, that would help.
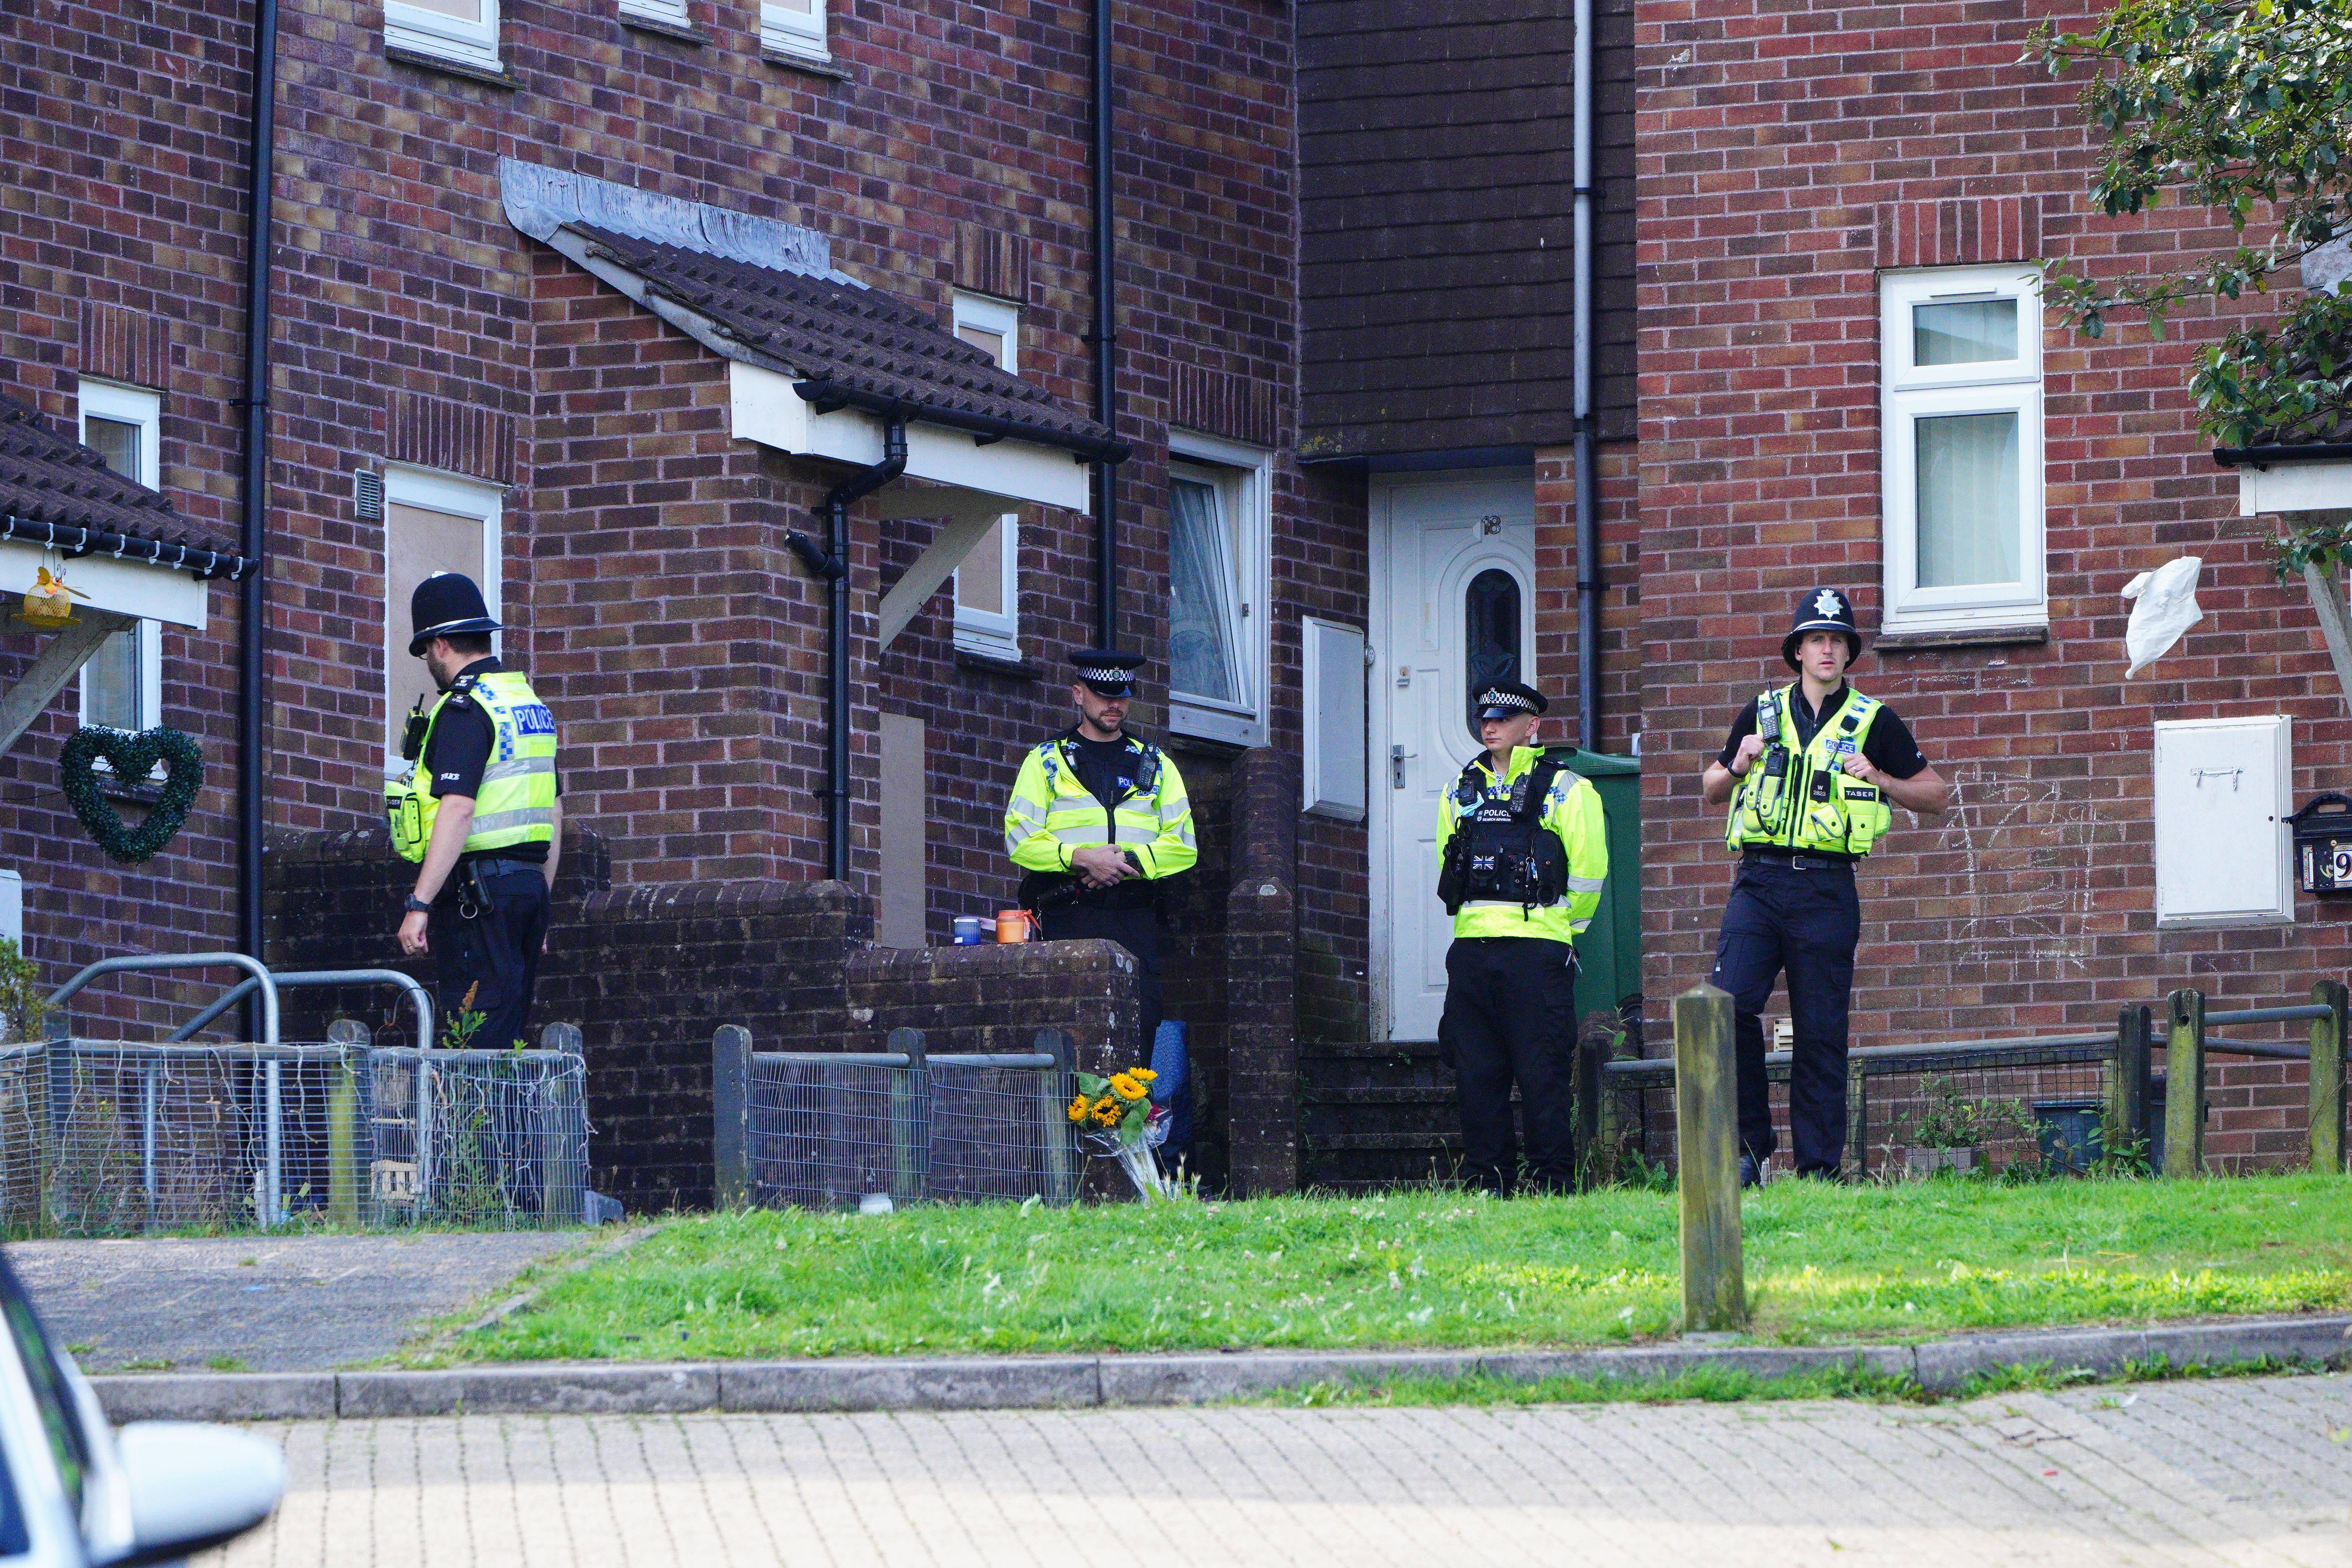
(127, 587)
(767, 410)
(2294, 487)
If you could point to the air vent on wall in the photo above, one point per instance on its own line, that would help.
(367, 492)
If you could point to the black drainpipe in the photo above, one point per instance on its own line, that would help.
(1106, 341)
(831, 563)
(251, 735)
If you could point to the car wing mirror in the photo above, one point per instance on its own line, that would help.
(193, 1485)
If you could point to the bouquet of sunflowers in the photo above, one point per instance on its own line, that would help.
(1115, 1118)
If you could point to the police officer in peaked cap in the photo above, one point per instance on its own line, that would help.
(1809, 771)
(480, 810)
(1098, 820)
(1523, 851)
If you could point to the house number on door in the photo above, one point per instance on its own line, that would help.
(1490, 524)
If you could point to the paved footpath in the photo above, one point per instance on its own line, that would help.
(2242, 1471)
(292, 1303)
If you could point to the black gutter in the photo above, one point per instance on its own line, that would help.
(74, 542)
(1106, 342)
(986, 429)
(2263, 457)
(831, 563)
(251, 728)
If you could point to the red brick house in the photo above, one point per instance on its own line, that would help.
(1436, 347)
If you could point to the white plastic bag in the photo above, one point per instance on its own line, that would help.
(2164, 605)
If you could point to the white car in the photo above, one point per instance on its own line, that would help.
(75, 1493)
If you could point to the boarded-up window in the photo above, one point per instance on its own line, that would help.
(904, 904)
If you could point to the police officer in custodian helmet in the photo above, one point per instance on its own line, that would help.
(480, 812)
(1098, 820)
(1523, 849)
(1809, 770)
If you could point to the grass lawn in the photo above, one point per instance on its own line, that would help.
(1824, 1263)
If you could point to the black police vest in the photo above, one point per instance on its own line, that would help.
(1501, 852)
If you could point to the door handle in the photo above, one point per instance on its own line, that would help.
(1397, 755)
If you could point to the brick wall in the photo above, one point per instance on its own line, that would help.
(1785, 153)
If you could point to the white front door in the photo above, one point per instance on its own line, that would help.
(1453, 598)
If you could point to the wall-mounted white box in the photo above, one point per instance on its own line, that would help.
(1333, 687)
(2221, 835)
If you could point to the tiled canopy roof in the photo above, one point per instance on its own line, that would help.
(849, 345)
(57, 493)
(2325, 433)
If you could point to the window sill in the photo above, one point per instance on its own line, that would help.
(1961, 636)
(811, 65)
(449, 65)
(662, 27)
(1223, 728)
(991, 664)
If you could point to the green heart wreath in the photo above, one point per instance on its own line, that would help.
(131, 756)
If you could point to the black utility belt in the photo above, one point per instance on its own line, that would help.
(1797, 862)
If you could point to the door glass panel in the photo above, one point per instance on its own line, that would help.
(1967, 500)
(1490, 634)
(417, 543)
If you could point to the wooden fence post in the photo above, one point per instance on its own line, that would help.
(910, 1133)
(2184, 1083)
(2124, 1134)
(1857, 1122)
(730, 1114)
(1054, 1090)
(2328, 1076)
(347, 1183)
(1706, 1117)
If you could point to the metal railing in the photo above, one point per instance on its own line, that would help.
(119, 1137)
(828, 1129)
(2104, 1086)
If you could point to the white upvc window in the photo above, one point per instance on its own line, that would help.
(987, 583)
(431, 523)
(671, 12)
(123, 684)
(466, 31)
(1218, 645)
(793, 27)
(1960, 428)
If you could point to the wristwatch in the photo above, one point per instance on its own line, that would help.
(417, 906)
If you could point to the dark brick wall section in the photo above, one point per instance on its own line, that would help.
(989, 260)
(1262, 976)
(1215, 403)
(995, 998)
(1959, 233)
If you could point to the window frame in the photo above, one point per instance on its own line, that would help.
(1242, 478)
(428, 32)
(430, 489)
(1908, 392)
(138, 406)
(801, 35)
(671, 12)
(992, 634)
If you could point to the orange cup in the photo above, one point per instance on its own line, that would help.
(1013, 925)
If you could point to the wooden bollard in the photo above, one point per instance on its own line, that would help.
(2327, 1078)
(2184, 1084)
(731, 1117)
(2124, 1133)
(1706, 1121)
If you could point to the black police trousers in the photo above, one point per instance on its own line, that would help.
(1511, 1012)
(1138, 931)
(493, 953)
(1803, 917)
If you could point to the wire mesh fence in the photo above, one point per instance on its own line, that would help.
(107, 1138)
(830, 1130)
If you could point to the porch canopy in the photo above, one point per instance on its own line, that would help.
(119, 543)
(818, 363)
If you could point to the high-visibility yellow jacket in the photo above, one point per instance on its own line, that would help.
(1809, 803)
(1052, 814)
(516, 801)
(1572, 811)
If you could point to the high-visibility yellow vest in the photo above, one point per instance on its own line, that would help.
(516, 801)
(1794, 797)
(1571, 810)
(1052, 814)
